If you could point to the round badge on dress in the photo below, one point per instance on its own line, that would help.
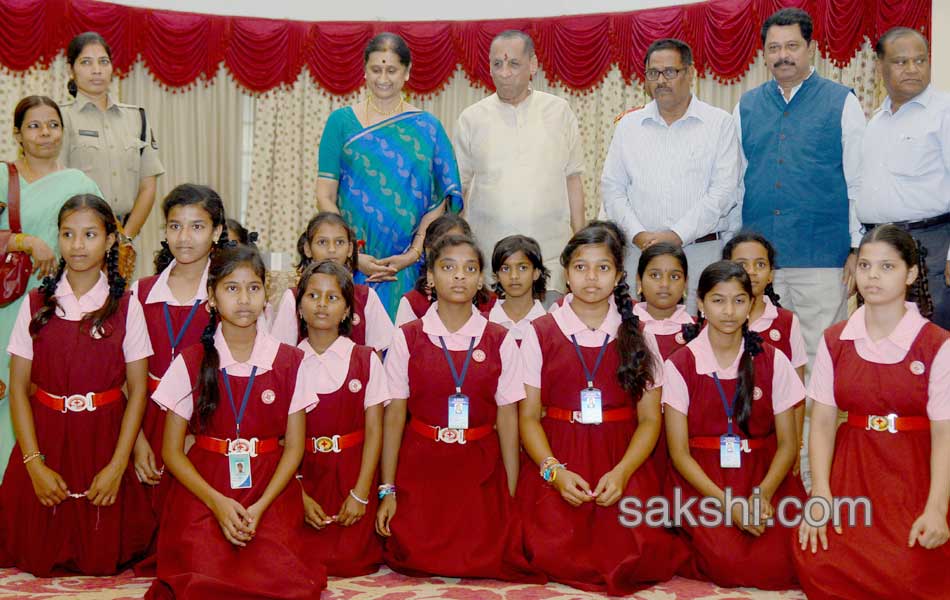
(478, 356)
(917, 367)
(268, 396)
(775, 335)
(355, 385)
(756, 393)
(679, 338)
(356, 319)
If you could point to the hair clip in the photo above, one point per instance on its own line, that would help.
(252, 237)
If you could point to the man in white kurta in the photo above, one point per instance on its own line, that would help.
(520, 159)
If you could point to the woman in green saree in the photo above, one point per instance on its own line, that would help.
(389, 170)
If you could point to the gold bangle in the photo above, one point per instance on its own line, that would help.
(18, 242)
(28, 457)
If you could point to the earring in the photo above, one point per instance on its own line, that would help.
(429, 294)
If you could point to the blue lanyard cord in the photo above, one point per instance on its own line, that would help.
(725, 403)
(173, 339)
(448, 358)
(239, 414)
(590, 374)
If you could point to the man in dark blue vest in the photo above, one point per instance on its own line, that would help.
(800, 137)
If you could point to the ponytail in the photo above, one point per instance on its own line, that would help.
(919, 291)
(636, 361)
(745, 386)
(207, 390)
(48, 293)
(773, 296)
(691, 330)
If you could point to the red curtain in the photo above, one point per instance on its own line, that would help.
(180, 48)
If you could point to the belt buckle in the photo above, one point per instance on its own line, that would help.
(882, 423)
(577, 417)
(744, 445)
(447, 435)
(325, 444)
(78, 403)
(242, 446)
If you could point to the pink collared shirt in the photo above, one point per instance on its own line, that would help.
(570, 324)
(510, 383)
(886, 351)
(799, 357)
(135, 344)
(787, 388)
(162, 293)
(498, 315)
(326, 373)
(405, 314)
(379, 328)
(174, 392)
(672, 324)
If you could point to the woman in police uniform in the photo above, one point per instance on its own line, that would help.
(112, 143)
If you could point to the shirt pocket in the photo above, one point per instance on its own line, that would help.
(908, 157)
(132, 156)
(86, 154)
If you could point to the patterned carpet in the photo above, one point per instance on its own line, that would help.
(383, 585)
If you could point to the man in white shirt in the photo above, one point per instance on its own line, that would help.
(520, 158)
(671, 171)
(906, 151)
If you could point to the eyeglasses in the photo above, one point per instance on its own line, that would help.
(668, 73)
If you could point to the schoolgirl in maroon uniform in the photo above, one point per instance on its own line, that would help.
(590, 356)
(345, 433)
(730, 425)
(521, 282)
(231, 520)
(662, 275)
(455, 463)
(328, 237)
(71, 503)
(416, 302)
(889, 367)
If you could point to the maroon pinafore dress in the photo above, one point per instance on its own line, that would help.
(779, 333)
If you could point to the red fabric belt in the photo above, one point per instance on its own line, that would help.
(336, 443)
(450, 436)
(574, 416)
(78, 402)
(255, 446)
(891, 423)
(712, 443)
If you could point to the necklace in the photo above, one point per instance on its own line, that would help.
(29, 174)
(370, 103)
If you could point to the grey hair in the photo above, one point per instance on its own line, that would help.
(515, 34)
(897, 32)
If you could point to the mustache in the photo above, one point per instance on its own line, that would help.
(781, 62)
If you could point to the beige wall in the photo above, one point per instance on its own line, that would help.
(940, 36)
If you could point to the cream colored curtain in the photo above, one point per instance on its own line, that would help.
(289, 122)
(199, 131)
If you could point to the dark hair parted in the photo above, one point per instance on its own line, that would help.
(248, 238)
(75, 48)
(913, 254)
(746, 236)
(786, 17)
(434, 232)
(388, 41)
(24, 105)
(313, 226)
(451, 241)
(94, 323)
(192, 194)
(532, 251)
(662, 249)
(343, 278)
(721, 272)
(685, 52)
(880, 48)
(637, 363)
(517, 34)
(225, 261)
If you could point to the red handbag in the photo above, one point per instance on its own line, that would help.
(15, 267)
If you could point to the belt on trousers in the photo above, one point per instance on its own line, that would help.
(913, 225)
(889, 423)
(252, 446)
(707, 238)
(447, 435)
(574, 416)
(78, 402)
(713, 443)
(336, 443)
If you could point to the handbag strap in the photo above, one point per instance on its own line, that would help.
(13, 197)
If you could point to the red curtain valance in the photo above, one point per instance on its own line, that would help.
(181, 48)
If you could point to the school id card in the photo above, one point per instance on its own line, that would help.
(239, 467)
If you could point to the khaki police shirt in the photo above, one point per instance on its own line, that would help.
(108, 147)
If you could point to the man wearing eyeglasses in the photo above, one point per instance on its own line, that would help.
(800, 161)
(671, 172)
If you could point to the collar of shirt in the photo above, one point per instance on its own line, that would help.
(706, 363)
(570, 324)
(84, 101)
(811, 71)
(521, 106)
(672, 324)
(327, 370)
(923, 99)
(433, 326)
(768, 315)
(651, 112)
(498, 315)
(72, 308)
(160, 292)
(903, 335)
(262, 354)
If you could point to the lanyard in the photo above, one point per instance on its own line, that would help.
(590, 374)
(448, 358)
(725, 403)
(173, 339)
(239, 414)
